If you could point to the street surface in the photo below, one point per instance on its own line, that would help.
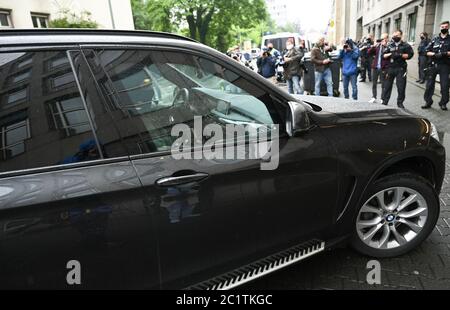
(427, 267)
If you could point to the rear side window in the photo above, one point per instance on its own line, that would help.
(43, 121)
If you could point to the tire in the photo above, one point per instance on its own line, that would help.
(416, 189)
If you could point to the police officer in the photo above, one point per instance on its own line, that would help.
(423, 58)
(397, 52)
(439, 53)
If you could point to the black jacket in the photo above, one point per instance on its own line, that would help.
(440, 45)
(397, 50)
(422, 49)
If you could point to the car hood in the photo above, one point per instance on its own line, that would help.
(345, 108)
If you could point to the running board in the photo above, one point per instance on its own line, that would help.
(262, 267)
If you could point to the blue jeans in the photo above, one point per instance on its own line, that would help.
(327, 78)
(354, 79)
(294, 86)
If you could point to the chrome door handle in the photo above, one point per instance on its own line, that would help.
(179, 180)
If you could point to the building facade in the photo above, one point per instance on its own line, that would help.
(26, 14)
(362, 17)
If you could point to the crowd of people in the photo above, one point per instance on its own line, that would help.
(381, 62)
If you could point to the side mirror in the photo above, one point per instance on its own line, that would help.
(297, 120)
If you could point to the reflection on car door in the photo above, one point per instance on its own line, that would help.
(212, 215)
(65, 194)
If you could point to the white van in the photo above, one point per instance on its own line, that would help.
(279, 40)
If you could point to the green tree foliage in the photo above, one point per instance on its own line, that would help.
(208, 21)
(153, 15)
(69, 19)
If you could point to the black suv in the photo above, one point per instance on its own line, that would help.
(90, 194)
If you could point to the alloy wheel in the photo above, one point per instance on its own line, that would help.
(392, 218)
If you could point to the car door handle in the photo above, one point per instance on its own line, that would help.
(180, 180)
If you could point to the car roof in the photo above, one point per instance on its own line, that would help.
(18, 37)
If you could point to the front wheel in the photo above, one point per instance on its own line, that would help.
(399, 212)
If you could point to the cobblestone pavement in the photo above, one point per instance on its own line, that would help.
(427, 267)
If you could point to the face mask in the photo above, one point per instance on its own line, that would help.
(444, 31)
(289, 47)
(422, 38)
(396, 39)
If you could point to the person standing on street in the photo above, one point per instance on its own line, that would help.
(423, 59)
(320, 57)
(379, 65)
(349, 55)
(439, 53)
(292, 68)
(266, 66)
(366, 59)
(397, 52)
(273, 51)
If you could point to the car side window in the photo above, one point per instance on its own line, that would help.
(42, 117)
(160, 89)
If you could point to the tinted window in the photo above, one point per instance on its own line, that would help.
(40, 125)
(151, 91)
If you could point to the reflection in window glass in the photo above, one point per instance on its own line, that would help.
(51, 127)
(25, 62)
(157, 90)
(13, 139)
(21, 77)
(60, 61)
(69, 116)
(16, 96)
(62, 80)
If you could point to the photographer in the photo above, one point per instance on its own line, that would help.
(366, 59)
(379, 65)
(266, 66)
(438, 52)
(320, 57)
(397, 52)
(349, 55)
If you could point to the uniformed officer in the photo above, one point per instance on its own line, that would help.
(439, 53)
(397, 52)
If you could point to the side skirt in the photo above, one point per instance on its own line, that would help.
(262, 267)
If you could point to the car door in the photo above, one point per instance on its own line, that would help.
(72, 213)
(213, 214)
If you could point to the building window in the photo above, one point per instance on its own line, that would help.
(62, 80)
(69, 116)
(20, 77)
(398, 24)
(25, 62)
(388, 27)
(39, 20)
(16, 96)
(5, 19)
(412, 22)
(13, 139)
(58, 62)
